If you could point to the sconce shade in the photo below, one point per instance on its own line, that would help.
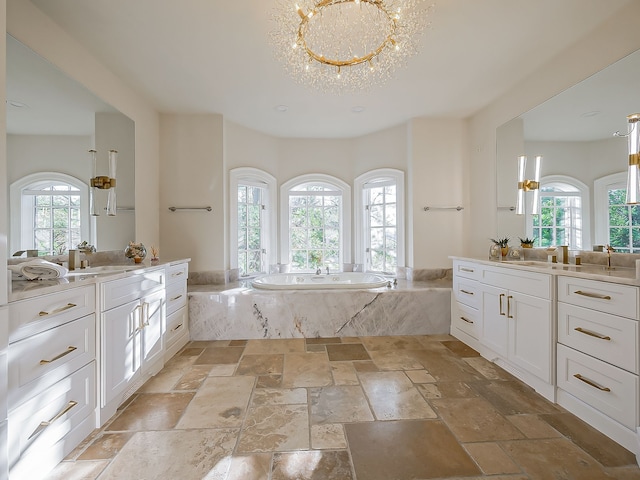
(633, 173)
(536, 190)
(522, 165)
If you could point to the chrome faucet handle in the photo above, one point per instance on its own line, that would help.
(319, 271)
(327, 270)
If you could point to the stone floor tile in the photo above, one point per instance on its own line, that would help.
(314, 465)
(250, 467)
(514, 397)
(347, 351)
(87, 470)
(193, 378)
(553, 459)
(237, 343)
(279, 396)
(407, 450)
(533, 426)
(365, 366)
(393, 397)
(446, 390)
(306, 370)
(222, 370)
(397, 359)
(275, 428)
(276, 345)
(165, 380)
(392, 343)
(152, 411)
(322, 341)
(191, 352)
(269, 381)
(351, 339)
(623, 473)
(183, 454)
(208, 343)
(328, 437)
(491, 459)
(339, 404)
(420, 376)
(596, 444)
(106, 446)
(220, 355)
(219, 403)
(447, 367)
(474, 420)
(260, 365)
(488, 369)
(344, 373)
(460, 349)
(316, 348)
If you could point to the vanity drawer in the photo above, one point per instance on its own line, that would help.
(124, 290)
(177, 325)
(29, 317)
(41, 422)
(529, 283)
(41, 360)
(602, 296)
(177, 273)
(467, 319)
(608, 337)
(469, 270)
(467, 292)
(176, 297)
(609, 389)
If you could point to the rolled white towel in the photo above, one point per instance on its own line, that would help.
(42, 269)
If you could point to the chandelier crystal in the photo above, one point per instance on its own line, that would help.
(346, 46)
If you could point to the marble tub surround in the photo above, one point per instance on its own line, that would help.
(240, 311)
(372, 408)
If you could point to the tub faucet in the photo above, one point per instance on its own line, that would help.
(319, 271)
(327, 270)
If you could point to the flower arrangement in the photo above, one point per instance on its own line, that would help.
(526, 242)
(137, 251)
(502, 242)
(155, 254)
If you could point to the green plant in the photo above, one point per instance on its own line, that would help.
(502, 242)
(526, 241)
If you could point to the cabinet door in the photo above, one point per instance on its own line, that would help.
(151, 327)
(494, 319)
(530, 334)
(120, 348)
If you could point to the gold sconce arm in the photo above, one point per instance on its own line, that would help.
(529, 185)
(634, 159)
(103, 182)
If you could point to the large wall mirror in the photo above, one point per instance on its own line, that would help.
(52, 122)
(583, 167)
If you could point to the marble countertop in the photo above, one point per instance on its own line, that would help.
(23, 289)
(622, 275)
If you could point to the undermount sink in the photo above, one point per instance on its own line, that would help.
(103, 270)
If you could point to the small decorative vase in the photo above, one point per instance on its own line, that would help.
(526, 245)
(135, 250)
(494, 252)
(504, 251)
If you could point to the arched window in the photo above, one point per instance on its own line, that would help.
(379, 220)
(617, 224)
(315, 219)
(252, 221)
(54, 213)
(564, 213)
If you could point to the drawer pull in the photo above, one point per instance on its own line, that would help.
(44, 425)
(59, 356)
(468, 293)
(509, 307)
(177, 274)
(178, 327)
(176, 298)
(469, 270)
(592, 295)
(57, 310)
(592, 334)
(500, 300)
(465, 320)
(592, 384)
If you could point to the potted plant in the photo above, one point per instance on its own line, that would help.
(503, 243)
(526, 242)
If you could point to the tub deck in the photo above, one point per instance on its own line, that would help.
(238, 311)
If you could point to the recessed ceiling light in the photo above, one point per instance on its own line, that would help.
(590, 114)
(282, 108)
(358, 109)
(17, 104)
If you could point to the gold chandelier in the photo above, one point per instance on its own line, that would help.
(347, 45)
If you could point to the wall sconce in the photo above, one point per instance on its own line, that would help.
(633, 173)
(103, 183)
(528, 185)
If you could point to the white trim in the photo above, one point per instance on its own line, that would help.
(345, 220)
(388, 176)
(601, 187)
(19, 231)
(585, 202)
(256, 178)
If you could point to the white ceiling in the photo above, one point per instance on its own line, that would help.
(197, 56)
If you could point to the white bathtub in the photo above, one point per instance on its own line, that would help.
(308, 281)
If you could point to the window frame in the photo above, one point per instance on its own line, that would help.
(257, 178)
(601, 187)
(345, 218)
(21, 235)
(361, 184)
(583, 190)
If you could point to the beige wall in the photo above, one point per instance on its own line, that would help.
(4, 193)
(37, 31)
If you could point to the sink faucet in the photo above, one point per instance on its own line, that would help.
(609, 249)
(319, 271)
(327, 270)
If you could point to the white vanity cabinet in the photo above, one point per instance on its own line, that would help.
(52, 378)
(132, 317)
(598, 355)
(176, 332)
(513, 324)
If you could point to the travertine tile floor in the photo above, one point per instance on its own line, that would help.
(370, 408)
